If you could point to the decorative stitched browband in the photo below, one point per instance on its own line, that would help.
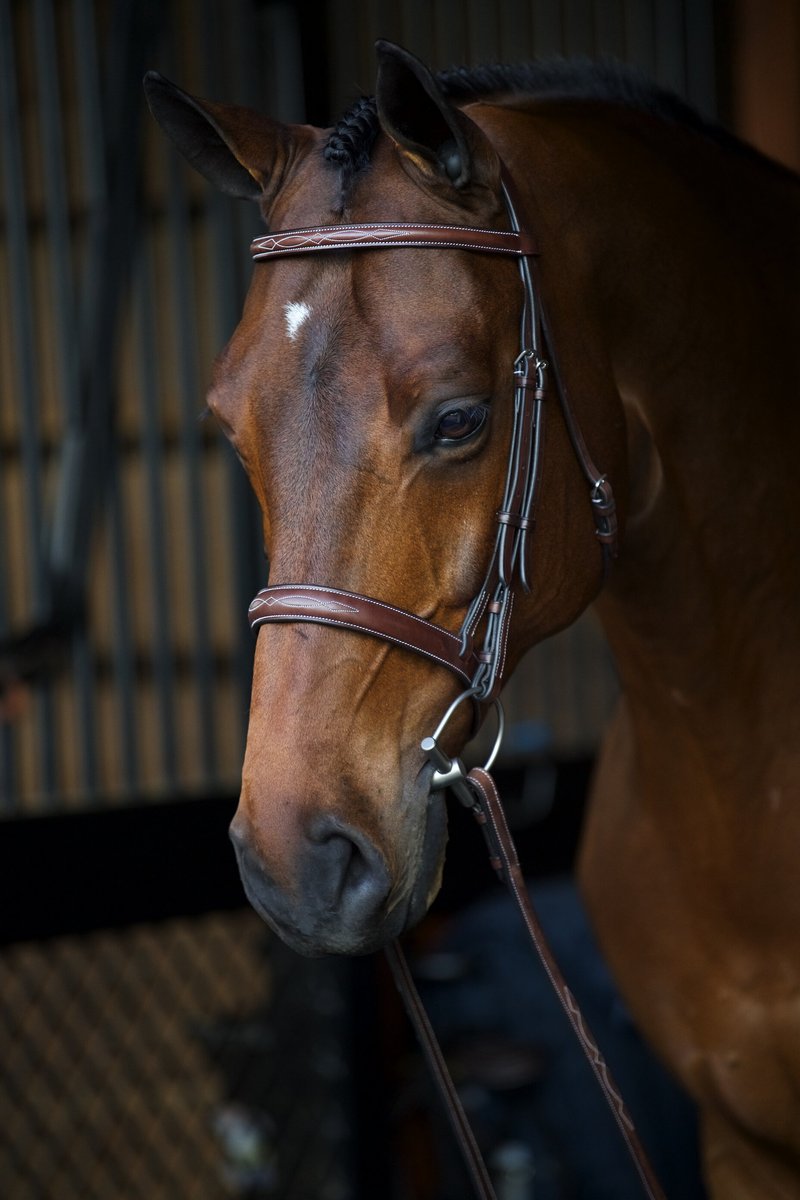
(482, 669)
(378, 236)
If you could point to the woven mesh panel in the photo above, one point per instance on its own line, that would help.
(159, 1062)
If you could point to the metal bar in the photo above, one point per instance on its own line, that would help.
(701, 74)
(112, 230)
(670, 45)
(8, 783)
(154, 466)
(298, 82)
(609, 37)
(516, 40)
(192, 457)
(640, 34)
(483, 25)
(25, 361)
(182, 294)
(418, 17)
(8, 775)
(89, 114)
(112, 236)
(129, 36)
(62, 292)
(449, 32)
(123, 649)
(62, 295)
(577, 23)
(21, 315)
(230, 227)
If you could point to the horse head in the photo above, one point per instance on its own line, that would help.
(370, 397)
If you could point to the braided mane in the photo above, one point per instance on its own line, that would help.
(350, 143)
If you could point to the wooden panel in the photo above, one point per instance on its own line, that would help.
(766, 76)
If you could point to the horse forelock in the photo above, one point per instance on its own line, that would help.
(349, 145)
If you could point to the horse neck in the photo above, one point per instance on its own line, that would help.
(703, 612)
(690, 245)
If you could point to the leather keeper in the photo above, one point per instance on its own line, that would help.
(530, 385)
(515, 520)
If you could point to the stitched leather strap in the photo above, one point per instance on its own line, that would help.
(491, 817)
(346, 610)
(604, 508)
(377, 236)
(454, 1110)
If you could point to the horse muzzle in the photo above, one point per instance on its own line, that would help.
(342, 897)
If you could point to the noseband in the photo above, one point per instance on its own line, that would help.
(480, 668)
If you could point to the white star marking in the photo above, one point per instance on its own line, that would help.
(296, 314)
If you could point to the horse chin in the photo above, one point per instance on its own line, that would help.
(428, 877)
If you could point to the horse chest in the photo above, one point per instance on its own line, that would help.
(709, 962)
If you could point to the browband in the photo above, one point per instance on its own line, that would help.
(384, 236)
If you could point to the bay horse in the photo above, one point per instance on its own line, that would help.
(370, 398)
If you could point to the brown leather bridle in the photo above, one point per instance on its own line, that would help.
(481, 669)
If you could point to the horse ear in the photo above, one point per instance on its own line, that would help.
(237, 149)
(438, 140)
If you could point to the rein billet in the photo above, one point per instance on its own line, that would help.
(482, 670)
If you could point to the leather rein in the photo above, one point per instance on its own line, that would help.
(481, 666)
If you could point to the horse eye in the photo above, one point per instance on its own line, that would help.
(460, 423)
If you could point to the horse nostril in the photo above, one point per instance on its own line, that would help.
(347, 868)
(327, 888)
